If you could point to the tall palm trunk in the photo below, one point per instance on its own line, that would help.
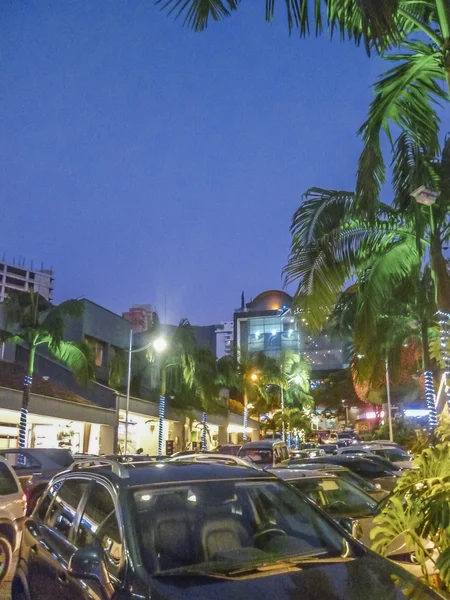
(440, 272)
(161, 411)
(28, 380)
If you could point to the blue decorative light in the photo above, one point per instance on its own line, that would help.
(288, 440)
(204, 422)
(430, 400)
(161, 413)
(244, 435)
(23, 428)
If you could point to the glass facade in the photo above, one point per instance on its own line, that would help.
(271, 335)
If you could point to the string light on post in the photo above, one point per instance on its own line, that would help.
(204, 422)
(430, 400)
(162, 409)
(444, 318)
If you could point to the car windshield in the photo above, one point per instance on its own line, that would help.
(337, 497)
(355, 479)
(61, 457)
(392, 454)
(260, 456)
(200, 526)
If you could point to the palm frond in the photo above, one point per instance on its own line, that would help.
(10, 338)
(405, 97)
(77, 356)
(55, 321)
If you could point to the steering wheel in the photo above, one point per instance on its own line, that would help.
(269, 530)
(336, 503)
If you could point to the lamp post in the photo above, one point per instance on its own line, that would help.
(159, 345)
(427, 197)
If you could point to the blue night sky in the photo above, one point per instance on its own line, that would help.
(142, 160)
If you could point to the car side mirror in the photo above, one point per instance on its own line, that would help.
(352, 526)
(89, 563)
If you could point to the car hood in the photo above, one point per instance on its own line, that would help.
(368, 578)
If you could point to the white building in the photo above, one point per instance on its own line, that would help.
(224, 338)
(22, 279)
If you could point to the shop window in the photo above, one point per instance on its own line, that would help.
(98, 348)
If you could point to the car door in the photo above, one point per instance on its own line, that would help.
(100, 523)
(48, 540)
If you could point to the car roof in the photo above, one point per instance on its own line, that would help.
(262, 444)
(290, 474)
(139, 474)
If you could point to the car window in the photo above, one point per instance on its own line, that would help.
(21, 460)
(337, 497)
(60, 457)
(66, 498)
(8, 484)
(256, 455)
(99, 524)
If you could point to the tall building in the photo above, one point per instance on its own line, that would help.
(268, 324)
(20, 278)
(224, 338)
(141, 316)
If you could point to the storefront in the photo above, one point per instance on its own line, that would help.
(81, 427)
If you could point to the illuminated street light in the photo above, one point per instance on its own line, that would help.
(254, 377)
(160, 344)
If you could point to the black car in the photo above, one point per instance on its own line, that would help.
(35, 467)
(365, 467)
(179, 531)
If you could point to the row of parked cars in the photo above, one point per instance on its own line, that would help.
(207, 525)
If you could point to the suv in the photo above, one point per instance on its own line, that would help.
(35, 467)
(13, 506)
(192, 531)
(265, 453)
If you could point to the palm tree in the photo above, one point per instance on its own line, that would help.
(35, 322)
(297, 372)
(176, 364)
(251, 375)
(413, 34)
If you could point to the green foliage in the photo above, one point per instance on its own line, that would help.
(117, 369)
(405, 434)
(419, 508)
(36, 322)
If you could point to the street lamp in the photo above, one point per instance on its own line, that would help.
(423, 195)
(159, 345)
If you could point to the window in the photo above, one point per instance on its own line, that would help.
(97, 346)
(99, 524)
(64, 507)
(21, 460)
(8, 484)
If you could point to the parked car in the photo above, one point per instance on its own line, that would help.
(395, 455)
(13, 508)
(133, 458)
(265, 452)
(214, 457)
(373, 489)
(364, 466)
(353, 508)
(230, 449)
(35, 467)
(306, 453)
(195, 531)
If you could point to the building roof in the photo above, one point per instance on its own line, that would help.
(12, 375)
(270, 300)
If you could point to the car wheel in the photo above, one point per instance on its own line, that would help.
(5, 558)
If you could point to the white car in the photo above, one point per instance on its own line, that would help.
(393, 453)
(13, 508)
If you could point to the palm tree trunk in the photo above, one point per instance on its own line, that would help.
(161, 411)
(428, 378)
(440, 272)
(28, 380)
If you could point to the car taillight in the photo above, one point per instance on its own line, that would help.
(24, 503)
